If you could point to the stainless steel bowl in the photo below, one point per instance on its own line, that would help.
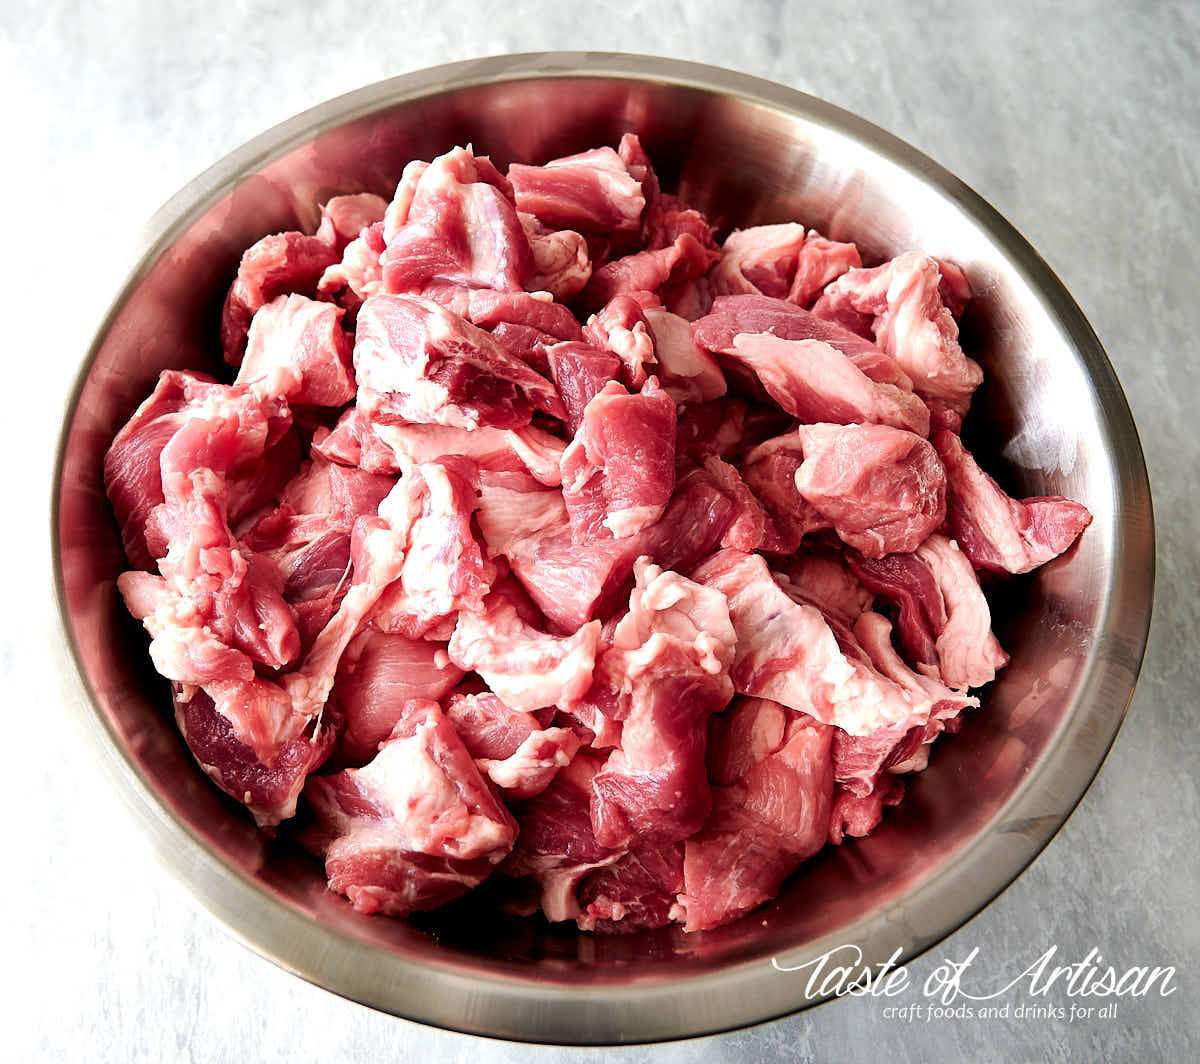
(747, 151)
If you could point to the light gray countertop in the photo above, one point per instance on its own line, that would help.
(1079, 123)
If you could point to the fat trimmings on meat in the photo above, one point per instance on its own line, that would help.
(543, 537)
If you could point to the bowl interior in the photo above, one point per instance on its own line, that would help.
(1050, 420)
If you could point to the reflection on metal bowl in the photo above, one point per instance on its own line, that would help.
(746, 151)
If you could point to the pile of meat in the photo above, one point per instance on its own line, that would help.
(540, 536)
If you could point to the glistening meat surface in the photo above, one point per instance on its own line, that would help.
(549, 534)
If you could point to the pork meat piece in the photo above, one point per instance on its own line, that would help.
(954, 287)
(671, 653)
(619, 472)
(826, 580)
(413, 829)
(912, 324)
(385, 673)
(943, 617)
(201, 560)
(883, 489)
(646, 271)
(859, 815)
(636, 893)
(359, 274)
(510, 747)
(307, 537)
(395, 216)
(859, 760)
(621, 326)
(910, 586)
(298, 351)
(418, 362)
(573, 583)
(787, 651)
(524, 450)
(760, 260)
(443, 568)
(589, 192)
(527, 668)
(687, 373)
(999, 533)
(666, 217)
(513, 507)
(133, 470)
(819, 262)
(731, 316)
(772, 772)
(556, 846)
(269, 785)
(562, 261)
(579, 372)
(460, 225)
(353, 441)
(343, 218)
(751, 528)
(815, 382)
(268, 733)
(769, 471)
(488, 308)
(276, 265)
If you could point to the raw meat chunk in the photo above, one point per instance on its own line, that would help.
(820, 261)
(443, 568)
(359, 273)
(943, 617)
(417, 361)
(133, 470)
(579, 372)
(275, 266)
(619, 472)
(509, 746)
(621, 327)
(883, 489)
(298, 351)
(268, 786)
(528, 669)
(307, 537)
(997, 532)
(461, 225)
(562, 262)
(671, 654)
(556, 845)
(787, 651)
(687, 373)
(769, 471)
(761, 260)
(732, 316)
(489, 309)
(683, 260)
(912, 324)
(857, 816)
(528, 449)
(635, 893)
(387, 672)
(815, 382)
(772, 799)
(591, 192)
(343, 218)
(414, 828)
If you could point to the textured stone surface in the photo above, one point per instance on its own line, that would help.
(1079, 123)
